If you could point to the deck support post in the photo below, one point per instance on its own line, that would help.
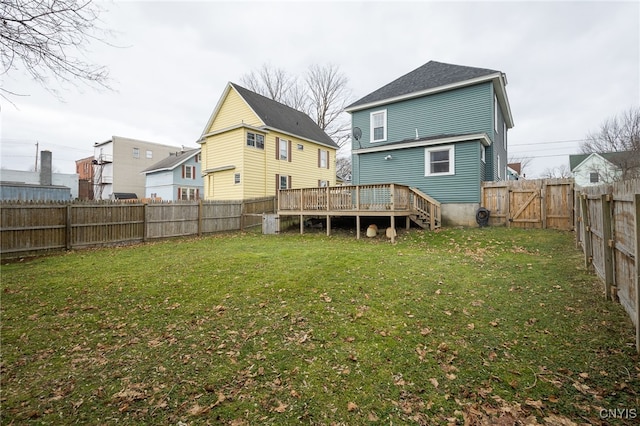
(393, 229)
(328, 225)
(358, 227)
(301, 224)
(408, 223)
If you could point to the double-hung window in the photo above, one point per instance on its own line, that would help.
(378, 120)
(255, 140)
(323, 159)
(439, 160)
(188, 172)
(283, 149)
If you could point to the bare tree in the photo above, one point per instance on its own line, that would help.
(561, 171)
(329, 93)
(323, 95)
(619, 134)
(276, 84)
(46, 38)
(343, 167)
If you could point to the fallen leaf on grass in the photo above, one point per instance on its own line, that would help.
(434, 382)
(352, 406)
(281, 408)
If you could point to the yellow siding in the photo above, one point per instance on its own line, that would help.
(303, 168)
(258, 168)
(224, 149)
(233, 111)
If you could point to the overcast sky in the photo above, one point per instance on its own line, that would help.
(569, 65)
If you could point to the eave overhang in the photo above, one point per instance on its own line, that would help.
(498, 79)
(482, 137)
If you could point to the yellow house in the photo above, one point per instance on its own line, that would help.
(252, 146)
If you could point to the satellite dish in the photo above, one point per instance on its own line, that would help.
(357, 133)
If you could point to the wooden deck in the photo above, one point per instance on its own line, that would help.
(388, 200)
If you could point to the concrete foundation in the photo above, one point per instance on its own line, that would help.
(459, 214)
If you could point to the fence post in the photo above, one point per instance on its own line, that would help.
(67, 237)
(543, 204)
(636, 273)
(144, 222)
(200, 217)
(607, 245)
(584, 207)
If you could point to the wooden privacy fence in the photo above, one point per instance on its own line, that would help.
(608, 232)
(539, 203)
(30, 228)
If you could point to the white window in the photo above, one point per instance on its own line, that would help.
(483, 153)
(495, 113)
(149, 154)
(439, 160)
(504, 134)
(236, 178)
(300, 147)
(284, 149)
(594, 177)
(255, 140)
(499, 168)
(283, 182)
(188, 172)
(186, 194)
(378, 120)
(323, 183)
(136, 152)
(323, 159)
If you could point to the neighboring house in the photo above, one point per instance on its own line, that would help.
(176, 177)
(118, 163)
(514, 171)
(85, 169)
(596, 169)
(253, 146)
(441, 128)
(43, 185)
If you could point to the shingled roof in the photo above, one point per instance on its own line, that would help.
(429, 76)
(172, 161)
(281, 117)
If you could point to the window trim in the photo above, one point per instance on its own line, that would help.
(255, 144)
(136, 152)
(372, 128)
(236, 179)
(283, 143)
(323, 154)
(597, 177)
(437, 148)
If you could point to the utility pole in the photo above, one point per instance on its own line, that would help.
(37, 146)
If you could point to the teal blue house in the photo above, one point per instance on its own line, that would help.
(441, 128)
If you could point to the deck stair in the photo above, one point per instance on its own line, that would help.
(426, 211)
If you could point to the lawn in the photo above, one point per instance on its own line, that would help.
(460, 326)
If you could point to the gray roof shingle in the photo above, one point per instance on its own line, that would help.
(172, 160)
(282, 117)
(429, 76)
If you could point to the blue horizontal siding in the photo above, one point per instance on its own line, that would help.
(407, 167)
(464, 110)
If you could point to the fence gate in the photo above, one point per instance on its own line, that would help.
(540, 203)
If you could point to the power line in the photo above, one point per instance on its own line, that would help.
(546, 143)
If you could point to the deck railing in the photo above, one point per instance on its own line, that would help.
(379, 198)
